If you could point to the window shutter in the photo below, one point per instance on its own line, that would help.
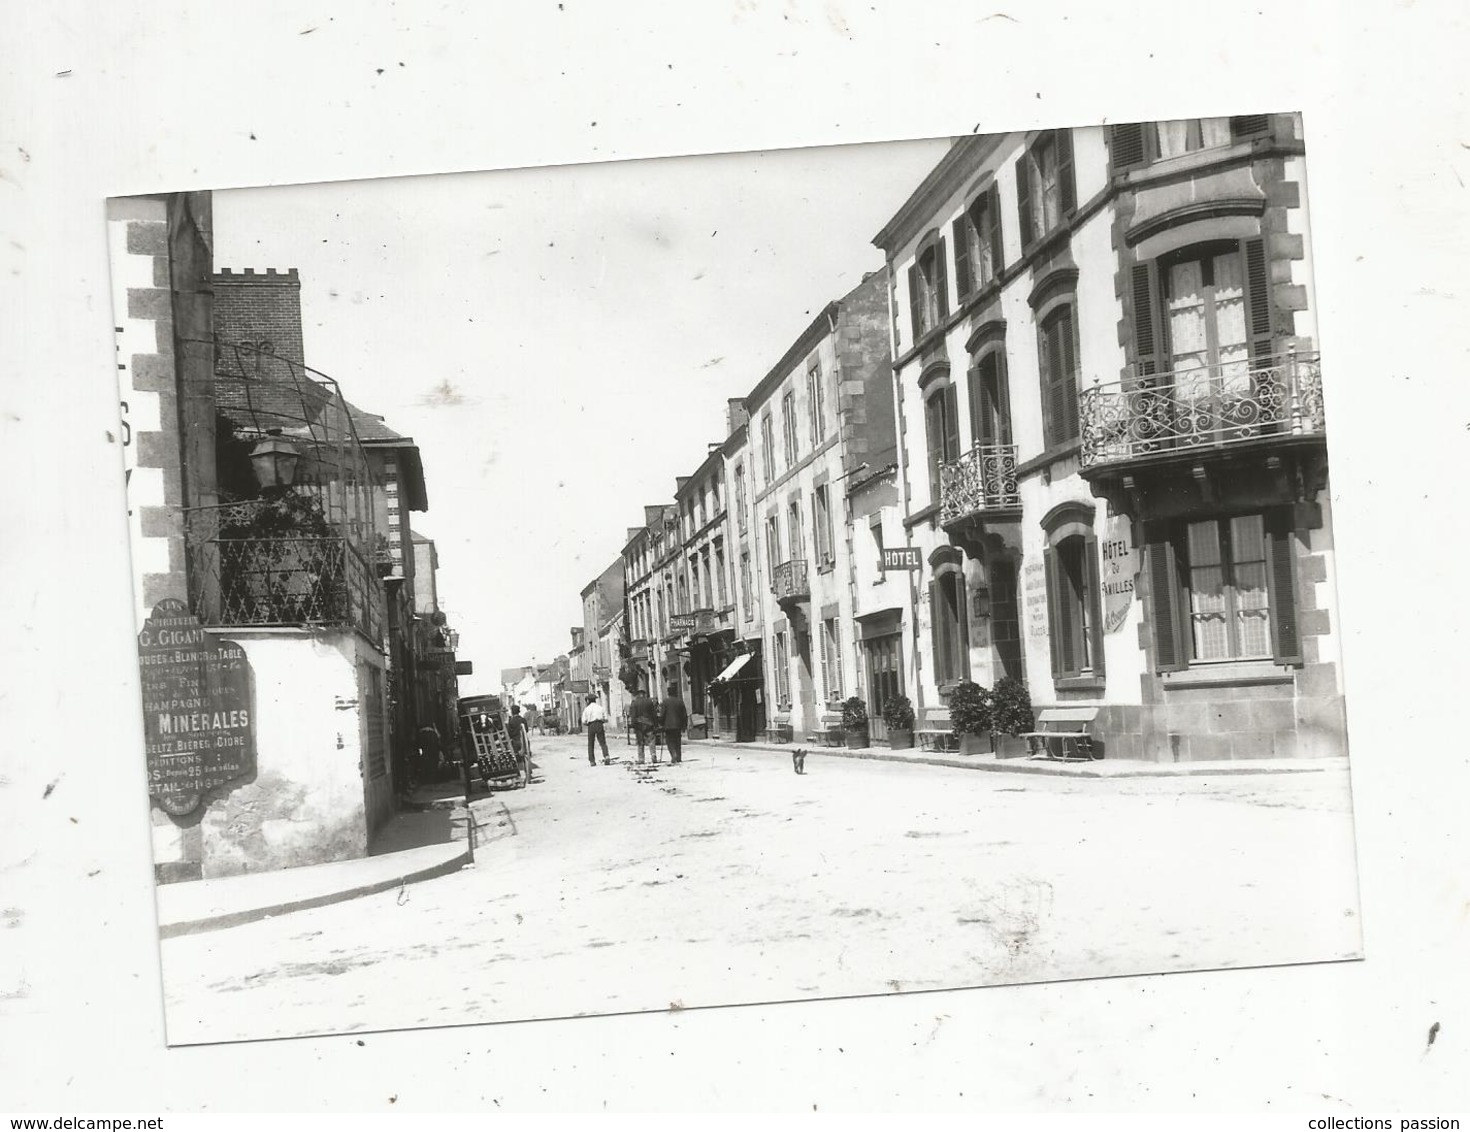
(941, 281)
(1071, 376)
(1094, 608)
(1281, 576)
(1248, 126)
(980, 412)
(1053, 609)
(962, 278)
(1145, 338)
(1003, 397)
(992, 217)
(916, 308)
(1066, 178)
(937, 632)
(951, 422)
(1126, 142)
(1023, 199)
(1258, 299)
(1169, 645)
(962, 620)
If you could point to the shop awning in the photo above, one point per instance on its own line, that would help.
(734, 666)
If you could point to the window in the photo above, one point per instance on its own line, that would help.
(788, 425)
(1224, 589)
(942, 427)
(1057, 343)
(1046, 192)
(928, 289)
(783, 676)
(1202, 320)
(822, 514)
(694, 589)
(720, 576)
(745, 585)
(1074, 607)
(768, 447)
(797, 543)
(740, 497)
(950, 624)
(773, 544)
(1142, 143)
(990, 402)
(708, 582)
(978, 258)
(831, 660)
(683, 594)
(816, 403)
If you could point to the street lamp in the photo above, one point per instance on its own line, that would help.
(274, 460)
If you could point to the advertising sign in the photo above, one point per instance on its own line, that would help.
(1119, 561)
(901, 558)
(198, 725)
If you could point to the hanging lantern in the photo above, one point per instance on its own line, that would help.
(274, 460)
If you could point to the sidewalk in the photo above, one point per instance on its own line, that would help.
(426, 839)
(1100, 768)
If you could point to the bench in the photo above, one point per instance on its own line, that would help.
(936, 733)
(829, 733)
(779, 733)
(1062, 734)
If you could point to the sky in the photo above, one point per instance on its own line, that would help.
(561, 341)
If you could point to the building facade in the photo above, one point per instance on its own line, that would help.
(1113, 456)
(814, 420)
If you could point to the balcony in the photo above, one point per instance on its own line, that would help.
(789, 581)
(1190, 412)
(287, 581)
(982, 480)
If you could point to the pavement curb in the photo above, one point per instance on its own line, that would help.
(1028, 766)
(263, 911)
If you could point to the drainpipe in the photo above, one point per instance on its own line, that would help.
(903, 493)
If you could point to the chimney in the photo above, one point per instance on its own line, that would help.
(736, 414)
(261, 310)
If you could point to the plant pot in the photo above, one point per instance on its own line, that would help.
(1010, 746)
(855, 739)
(900, 738)
(974, 744)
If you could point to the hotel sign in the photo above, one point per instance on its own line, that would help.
(198, 711)
(901, 558)
(1119, 562)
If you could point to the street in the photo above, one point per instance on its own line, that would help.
(730, 879)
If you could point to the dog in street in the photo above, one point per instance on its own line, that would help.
(798, 761)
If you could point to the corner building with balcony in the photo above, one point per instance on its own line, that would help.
(1113, 442)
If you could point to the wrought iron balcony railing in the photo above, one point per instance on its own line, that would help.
(1166, 413)
(789, 581)
(287, 580)
(983, 479)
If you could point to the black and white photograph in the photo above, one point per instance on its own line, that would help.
(769, 557)
(735, 579)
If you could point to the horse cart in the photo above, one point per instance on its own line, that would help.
(487, 744)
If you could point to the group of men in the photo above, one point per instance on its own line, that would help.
(647, 720)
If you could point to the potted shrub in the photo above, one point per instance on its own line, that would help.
(898, 714)
(855, 722)
(970, 717)
(1010, 717)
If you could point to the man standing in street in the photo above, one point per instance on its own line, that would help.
(643, 716)
(675, 719)
(594, 718)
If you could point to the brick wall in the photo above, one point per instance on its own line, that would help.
(254, 307)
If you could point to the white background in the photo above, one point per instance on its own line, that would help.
(167, 95)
